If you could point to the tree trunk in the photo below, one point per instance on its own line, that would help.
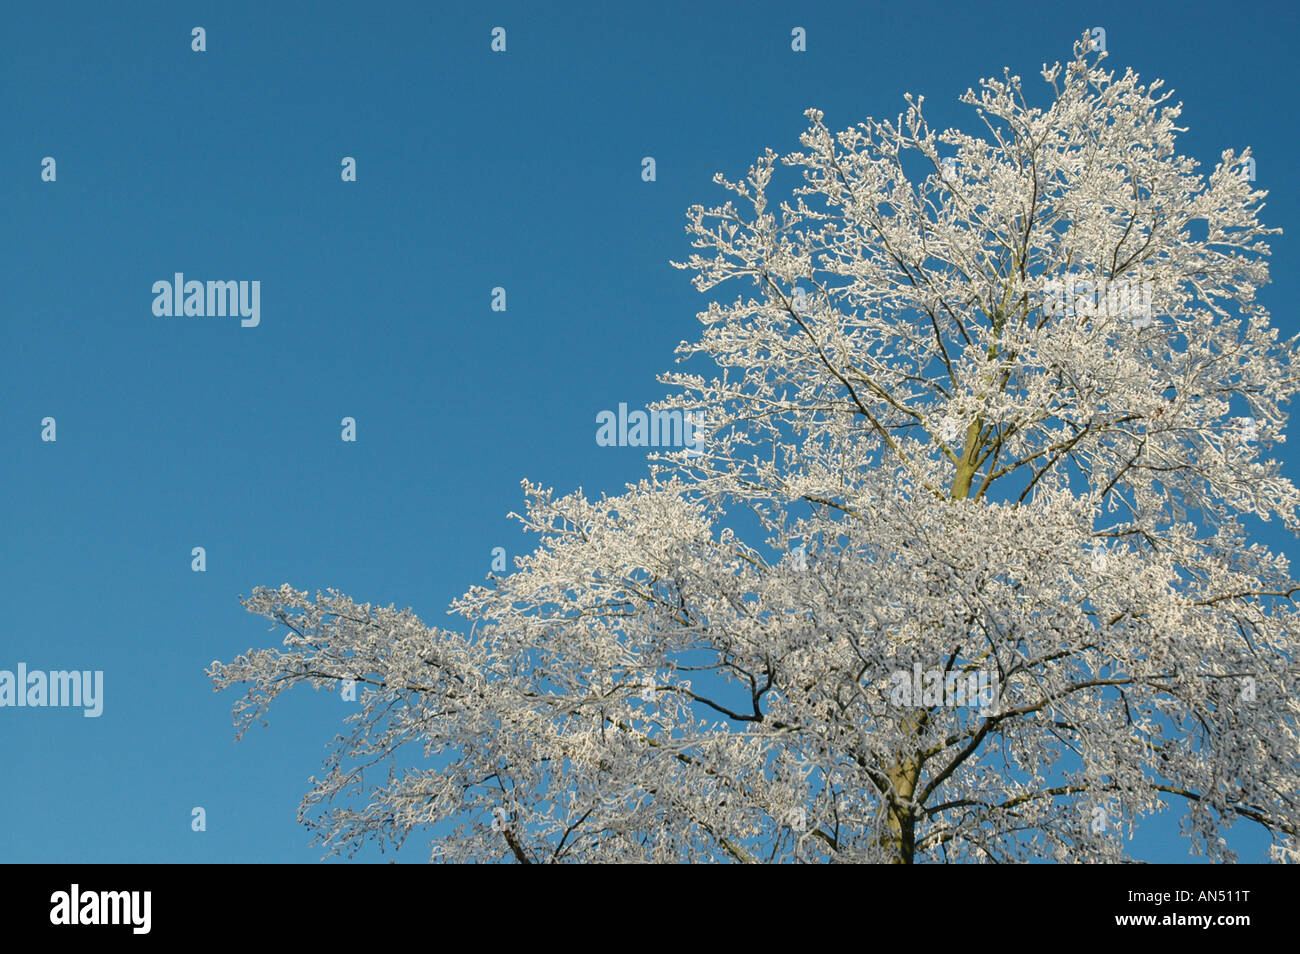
(899, 836)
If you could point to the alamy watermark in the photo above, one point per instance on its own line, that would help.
(939, 687)
(129, 908)
(1076, 295)
(674, 428)
(194, 299)
(59, 688)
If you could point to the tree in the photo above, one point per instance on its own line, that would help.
(978, 392)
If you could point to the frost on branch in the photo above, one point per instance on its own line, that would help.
(1001, 406)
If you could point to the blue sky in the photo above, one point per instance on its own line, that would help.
(474, 170)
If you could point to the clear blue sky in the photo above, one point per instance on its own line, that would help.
(475, 170)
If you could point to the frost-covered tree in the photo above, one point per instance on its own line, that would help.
(962, 572)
